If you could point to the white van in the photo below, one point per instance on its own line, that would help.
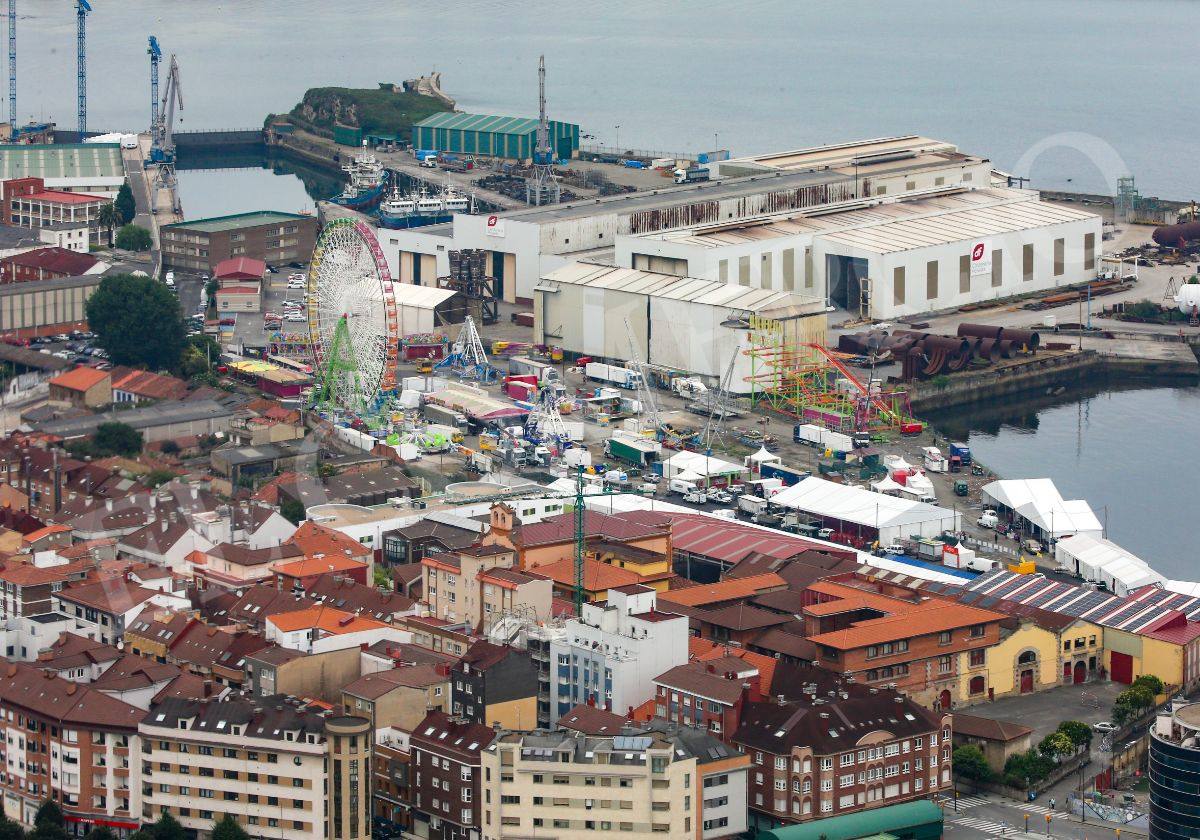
(680, 486)
(169, 279)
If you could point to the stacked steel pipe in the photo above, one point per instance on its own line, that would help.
(923, 355)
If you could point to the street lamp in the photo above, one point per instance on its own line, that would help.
(617, 142)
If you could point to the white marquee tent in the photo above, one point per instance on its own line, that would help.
(893, 518)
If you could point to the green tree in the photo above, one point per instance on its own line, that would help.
(971, 764)
(168, 828)
(9, 830)
(227, 828)
(100, 833)
(169, 447)
(293, 511)
(117, 439)
(198, 355)
(1132, 702)
(1079, 733)
(137, 321)
(381, 578)
(134, 238)
(1151, 682)
(156, 477)
(1056, 744)
(48, 831)
(1027, 768)
(49, 813)
(109, 218)
(125, 204)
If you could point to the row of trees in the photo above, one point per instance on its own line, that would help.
(49, 824)
(1027, 768)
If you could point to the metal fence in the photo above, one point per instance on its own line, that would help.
(621, 151)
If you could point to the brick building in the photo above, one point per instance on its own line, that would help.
(51, 263)
(28, 203)
(888, 636)
(447, 787)
(495, 685)
(836, 751)
(71, 743)
(269, 236)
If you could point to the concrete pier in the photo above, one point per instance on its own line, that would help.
(155, 203)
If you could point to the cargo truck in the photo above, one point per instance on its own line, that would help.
(632, 450)
(822, 438)
(788, 475)
(525, 366)
(691, 175)
(962, 451)
(622, 377)
(445, 416)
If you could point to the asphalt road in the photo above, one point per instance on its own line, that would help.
(981, 815)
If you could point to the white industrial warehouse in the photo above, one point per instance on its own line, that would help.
(678, 323)
(854, 510)
(889, 257)
(525, 244)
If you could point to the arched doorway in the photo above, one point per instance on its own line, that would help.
(1027, 681)
(944, 700)
(1080, 673)
(1027, 657)
(978, 685)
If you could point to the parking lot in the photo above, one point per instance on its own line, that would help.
(76, 347)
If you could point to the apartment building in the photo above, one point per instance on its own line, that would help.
(400, 697)
(610, 655)
(664, 780)
(890, 636)
(101, 610)
(280, 768)
(849, 748)
(67, 742)
(269, 236)
(28, 590)
(447, 783)
(391, 779)
(495, 685)
(711, 695)
(452, 586)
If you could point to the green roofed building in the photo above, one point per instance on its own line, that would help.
(919, 820)
(93, 168)
(488, 136)
(268, 235)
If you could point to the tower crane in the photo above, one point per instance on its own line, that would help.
(162, 148)
(12, 65)
(542, 187)
(82, 7)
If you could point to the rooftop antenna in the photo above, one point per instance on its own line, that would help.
(542, 187)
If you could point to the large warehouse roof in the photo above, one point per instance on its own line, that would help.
(673, 287)
(236, 221)
(1038, 501)
(459, 121)
(69, 160)
(862, 507)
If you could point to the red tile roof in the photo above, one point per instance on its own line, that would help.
(148, 385)
(731, 589)
(80, 379)
(335, 622)
(62, 197)
(241, 266)
(597, 576)
(561, 528)
(29, 687)
(591, 720)
(321, 565)
(54, 259)
(314, 539)
(705, 650)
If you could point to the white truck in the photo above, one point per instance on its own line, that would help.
(822, 438)
(681, 486)
(545, 372)
(688, 386)
(622, 377)
(935, 461)
(751, 505)
(691, 175)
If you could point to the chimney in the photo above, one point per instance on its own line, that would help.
(165, 524)
(57, 483)
(108, 504)
(208, 688)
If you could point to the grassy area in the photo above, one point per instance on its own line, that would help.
(375, 111)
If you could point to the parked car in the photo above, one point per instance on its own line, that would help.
(825, 533)
(988, 519)
(294, 317)
(894, 548)
(695, 497)
(720, 497)
(1105, 726)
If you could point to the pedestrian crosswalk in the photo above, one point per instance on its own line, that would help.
(994, 829)
(965, 802)
(1036, 809)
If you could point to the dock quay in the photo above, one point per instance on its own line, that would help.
(157, 204)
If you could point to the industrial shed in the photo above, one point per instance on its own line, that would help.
(679, 323)
(424, 309)
(482, 134)
(897, 256)
(1102, 561)
(858, 511)
(1036, 505)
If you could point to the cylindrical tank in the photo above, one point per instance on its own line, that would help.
(980, 330)
(1176, 236)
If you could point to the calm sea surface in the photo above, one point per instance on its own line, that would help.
(1130, 453)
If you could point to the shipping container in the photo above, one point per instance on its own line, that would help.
(788, 475)
(347, 135)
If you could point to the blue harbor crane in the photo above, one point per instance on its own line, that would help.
(542, 186)
(12, 66)
(155, 56)
(82, 7)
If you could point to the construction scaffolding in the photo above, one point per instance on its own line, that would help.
(812, 383)
(468, 276)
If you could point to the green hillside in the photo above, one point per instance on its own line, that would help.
(379, 111)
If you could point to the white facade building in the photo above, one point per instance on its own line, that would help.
(612, 653)
(905, 255)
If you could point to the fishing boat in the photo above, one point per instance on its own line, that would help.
(419, 208)
(368, 180)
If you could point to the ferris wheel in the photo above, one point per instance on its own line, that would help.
(352, 321)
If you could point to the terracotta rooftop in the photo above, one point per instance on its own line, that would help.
(705, 650)
(319, 565)
(71, 650)
(591, 720)
(732, 589)
(54, 259)
(597, 576)
(715, 684)
(936, 617)
(313, 539)
(113, 595)
(373, 686)
(974, 726)
(80, 379)
(332, 621)
(73, 704)
(561, 528)
(148, 385)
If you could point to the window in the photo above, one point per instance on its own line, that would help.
(1089, 252)
(944, 665)
(846, 780)
(964, 274)
(945, 637)
(743, 271)
(931, 280)
(1059, 256)
(898, 286)
(826, 763)
(1027, 262)
(826, 784)
(846, 760)
(977, 657)
(978, 684)
(997, 267)
(780, 763)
